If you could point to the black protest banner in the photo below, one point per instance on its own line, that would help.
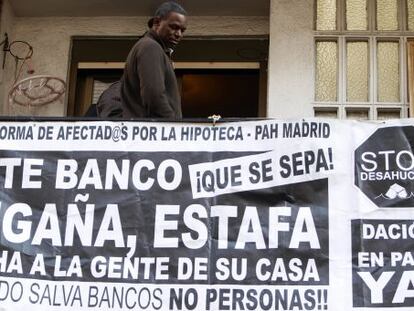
(257, 215)
(130, 218)
(383, 263)
(384, 167)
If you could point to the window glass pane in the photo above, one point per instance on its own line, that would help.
(98, 88)
(410, 13)
(326, 15)
(388, 113)
(357, 113)
(357, 71)
(387, 15)
(321, 112)
(356, 14)
(326, 71)
(388, 72)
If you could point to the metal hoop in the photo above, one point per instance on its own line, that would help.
(29, 54)
(24, 92)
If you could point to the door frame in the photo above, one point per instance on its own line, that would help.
(222, 52)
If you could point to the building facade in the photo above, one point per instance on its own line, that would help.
(347, 59)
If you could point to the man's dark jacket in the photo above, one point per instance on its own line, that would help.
(109, 103)
(149, 86)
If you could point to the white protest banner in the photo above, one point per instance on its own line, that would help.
(252, 215)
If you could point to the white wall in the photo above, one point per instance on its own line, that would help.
(50, 38)
(291, 57)
(6, 26)
(290, 74)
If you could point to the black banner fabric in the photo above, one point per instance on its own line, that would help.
(383, 260)
(142, 231)
(254, 215)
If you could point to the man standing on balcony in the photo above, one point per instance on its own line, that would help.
(149, 87)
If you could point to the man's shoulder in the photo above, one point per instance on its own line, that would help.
(146, 49)
(147, 42)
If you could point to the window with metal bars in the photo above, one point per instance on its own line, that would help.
(361, 58)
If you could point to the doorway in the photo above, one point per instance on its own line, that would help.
(230, 93)
(226, 76)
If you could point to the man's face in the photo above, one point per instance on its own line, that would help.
(171, 28)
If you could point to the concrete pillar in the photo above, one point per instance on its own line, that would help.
(291, 59)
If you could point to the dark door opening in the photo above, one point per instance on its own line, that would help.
(224, 92)
(231, 93)
(225, 76)
(90, 85)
